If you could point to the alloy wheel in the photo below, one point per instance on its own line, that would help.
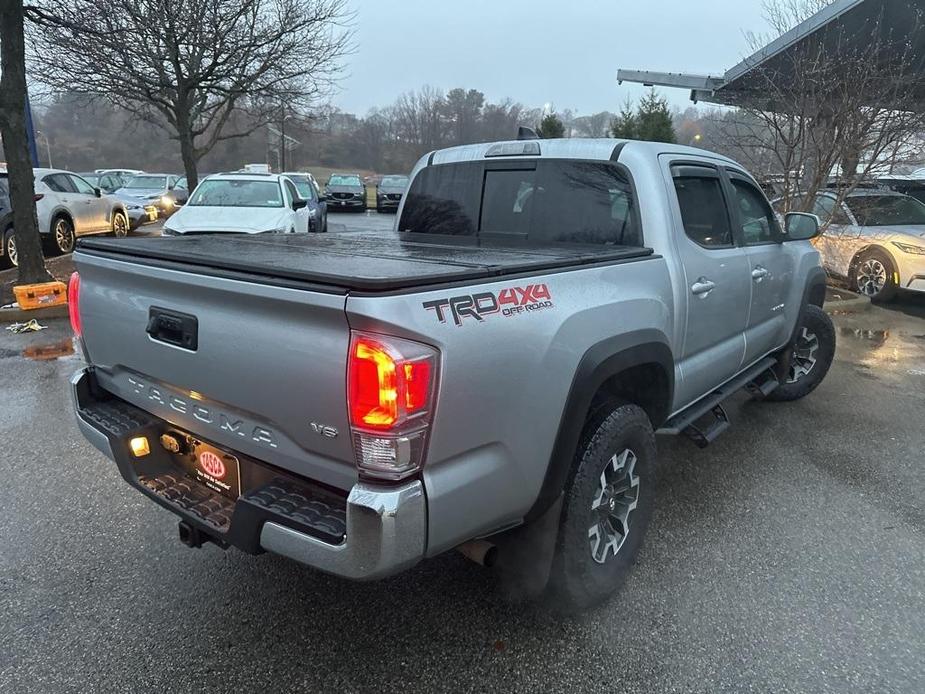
(64, 236)
(871, 277)
(804, 356)
(11, 250)
(615, 499)
(119, 225)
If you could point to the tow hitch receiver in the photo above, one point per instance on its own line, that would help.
(192, 537)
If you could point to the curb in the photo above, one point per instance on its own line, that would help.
(17, 315)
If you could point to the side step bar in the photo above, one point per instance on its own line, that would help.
(759, 379)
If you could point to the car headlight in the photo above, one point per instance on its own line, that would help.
(909, 248)
(167, 231)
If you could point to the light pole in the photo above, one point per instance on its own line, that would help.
(47, 148)
(282, 142)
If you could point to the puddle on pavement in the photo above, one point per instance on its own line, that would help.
(878, 337)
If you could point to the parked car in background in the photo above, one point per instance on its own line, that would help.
(389, 192)
(316, 209)
(7, 242)
(875, 239)
(912, 186)
(345, 191)
(106, 182)
(243, 203)
(67, 207)
(124, 174)
(159, 190)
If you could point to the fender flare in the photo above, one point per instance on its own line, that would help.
(599, 363)
(813, 295)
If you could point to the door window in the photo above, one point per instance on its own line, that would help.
(756, 218)
(291, 189)
(81, 186)
(703, 208)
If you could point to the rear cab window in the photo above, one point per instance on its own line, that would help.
(544, 201)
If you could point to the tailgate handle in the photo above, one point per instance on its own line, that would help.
(173, 328)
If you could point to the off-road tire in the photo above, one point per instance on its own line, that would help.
(890, 287)
(578, 581)
(814, 322)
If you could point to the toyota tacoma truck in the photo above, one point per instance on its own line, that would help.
(489, 376)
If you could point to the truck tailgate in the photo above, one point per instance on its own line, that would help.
(276, 351)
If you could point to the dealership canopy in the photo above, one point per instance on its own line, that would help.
(846, 27)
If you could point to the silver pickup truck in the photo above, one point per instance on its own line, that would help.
(488, 377)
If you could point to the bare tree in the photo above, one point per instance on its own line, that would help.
(192, 65)
(832, 110)
(15, 143)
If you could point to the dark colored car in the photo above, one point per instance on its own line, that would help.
(317, 207)
(345, 192)
(159, 190)
(8, 247)
(106, 182)
(389, 192)
(907, 185)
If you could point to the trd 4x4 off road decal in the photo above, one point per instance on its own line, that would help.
(508, 302)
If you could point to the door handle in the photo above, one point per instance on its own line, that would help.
(759, 273)
(702, 287)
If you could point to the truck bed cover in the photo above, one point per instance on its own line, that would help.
(354, 261)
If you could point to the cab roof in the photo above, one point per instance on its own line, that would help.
(602, 149)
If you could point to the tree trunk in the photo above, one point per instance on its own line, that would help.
(16, 145)
(188, 153)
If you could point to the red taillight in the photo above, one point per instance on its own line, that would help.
(73, 303)
(38, 196)
(390, 391)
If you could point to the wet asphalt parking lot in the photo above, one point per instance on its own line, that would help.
(788, 556)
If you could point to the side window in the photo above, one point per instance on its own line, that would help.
(755, 215)
(81, 186)
(507, 202)
(823, 207)
(293, 193)
(59, 183)
(703, 207)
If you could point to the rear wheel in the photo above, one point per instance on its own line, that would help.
(62, 238)
(811, 357)
(606, 507)
(9, 257)
(874, 275)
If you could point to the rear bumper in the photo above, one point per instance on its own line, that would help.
(372, 533)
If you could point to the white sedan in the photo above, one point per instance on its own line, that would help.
(248, 203)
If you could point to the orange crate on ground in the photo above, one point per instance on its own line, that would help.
(31, 296)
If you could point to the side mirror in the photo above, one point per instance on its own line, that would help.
(299, 204)
(801, 226)
(97, 192)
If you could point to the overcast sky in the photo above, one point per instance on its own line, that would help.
(539, 51)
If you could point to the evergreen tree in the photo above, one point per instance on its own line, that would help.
(550, 127)
(651, 120)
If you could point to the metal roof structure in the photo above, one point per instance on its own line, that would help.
(847, 27)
